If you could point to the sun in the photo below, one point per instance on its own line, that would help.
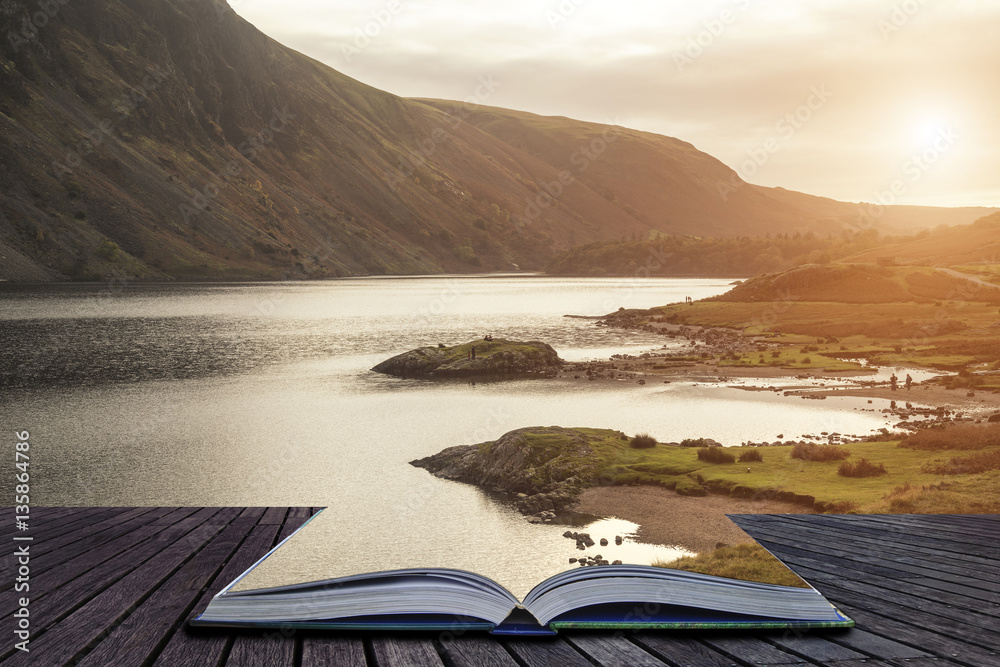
(927, 127)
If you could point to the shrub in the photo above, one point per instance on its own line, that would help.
(966, 465)
(751, 454)
(643, 441)
(107, 250)
(695, 442)
(861, 468)
(810, 452)
(715, 455)
(964, 437)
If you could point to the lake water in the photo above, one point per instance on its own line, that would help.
(260, 394)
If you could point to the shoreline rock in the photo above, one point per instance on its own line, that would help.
(493, 358)
(541, 469)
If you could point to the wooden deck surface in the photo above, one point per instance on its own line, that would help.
(116, 586)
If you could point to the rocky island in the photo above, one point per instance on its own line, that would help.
(542, 467)
(478, 358)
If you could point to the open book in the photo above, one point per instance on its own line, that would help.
(436, 598)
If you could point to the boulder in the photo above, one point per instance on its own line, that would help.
(496, 358)
(541, 468)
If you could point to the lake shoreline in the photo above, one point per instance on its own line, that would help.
(668, 518)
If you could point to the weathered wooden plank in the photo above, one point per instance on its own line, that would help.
(887, 576)
(80, 525)
(296, 517)
(946, 605)
(791, 552)
(812, 646)
(87, 624)
(879, 647)
(681, 650)
(43, 520)
(965, 616)
(941, 645)
(270, 648)
(613, 650)
(54, 551)
(404, 652)
(924, 621)
(137, 638)
(751, 650)
(476, 651)
(543, 652)
(70, 584)
(830, 543)
(917, 539)
(275, 515)
(971, 529)
(189, 647)
(321, 651)
(829, 527)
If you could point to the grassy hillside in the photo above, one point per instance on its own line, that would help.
(965, 245)
(913, 477)
(669, 186)
(860, 283)
(889, 315)
(701, 256)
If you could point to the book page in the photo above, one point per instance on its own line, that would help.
(333, 545)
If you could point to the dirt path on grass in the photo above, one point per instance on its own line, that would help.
(665, 517)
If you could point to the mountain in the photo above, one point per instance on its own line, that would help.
(669, 186)
(155, 139)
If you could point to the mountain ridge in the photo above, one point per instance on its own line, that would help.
(171, 139)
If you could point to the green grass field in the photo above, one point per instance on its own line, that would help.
(679, 468)
(747, 562)
(946, 335)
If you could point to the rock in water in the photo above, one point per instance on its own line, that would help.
(550, 465)
(499, 357)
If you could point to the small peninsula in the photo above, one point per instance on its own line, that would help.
(496, 357)
(551, 468)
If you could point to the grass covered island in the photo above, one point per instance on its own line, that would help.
(679, 493)
(944, 470)
(496, 357)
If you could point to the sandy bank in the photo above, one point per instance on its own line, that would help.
(665, 517)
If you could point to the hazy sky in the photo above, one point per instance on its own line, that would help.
(832, 97)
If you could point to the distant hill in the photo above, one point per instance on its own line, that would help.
(977, 243)
(860, 283)
(159, 139)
